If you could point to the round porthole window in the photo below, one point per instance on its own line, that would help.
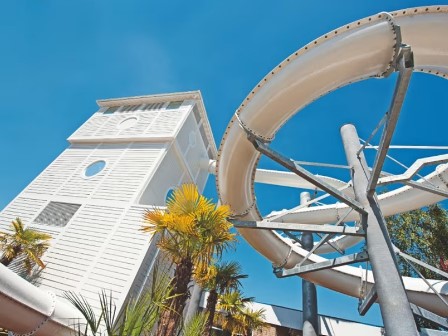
(127, 123)
(94, 168)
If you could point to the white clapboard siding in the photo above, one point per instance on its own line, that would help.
(81, 187)
(91, 126)
(144, 274)
(151, 123)
(188, 130)
(117, 265)
(83, 238)
(128, 175)
(166, 123)
(51, 179)
(201, 179)
(157, 189)
(24, 208)
(144, 121)
(194, 156)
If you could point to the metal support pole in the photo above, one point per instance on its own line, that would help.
(395, 309)
(309, 295)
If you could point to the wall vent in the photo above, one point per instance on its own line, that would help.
(57, 214)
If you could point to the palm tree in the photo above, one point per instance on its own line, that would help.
(27, 244)
(238, 318)
(251, 319)
(221, 279)
(192, 231)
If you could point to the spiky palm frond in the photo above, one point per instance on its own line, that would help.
(28, 244)
(192, 232)
(233, 302)
(222, 277)
(187, 200)
(195, 326)
(80, 303)
(138, 316)
(239, 318)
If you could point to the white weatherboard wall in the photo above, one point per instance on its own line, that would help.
(149, 145)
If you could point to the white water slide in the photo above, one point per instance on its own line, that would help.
(360, 50)
(354, 52)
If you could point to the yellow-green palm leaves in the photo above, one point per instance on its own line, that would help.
(191, 227)
(238, 317)
(192, 231)
(27, 244)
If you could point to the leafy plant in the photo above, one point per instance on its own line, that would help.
(238, 317)
(423, 234)
(196, 326)
(138, 316)
(220, 279)
(26, 246)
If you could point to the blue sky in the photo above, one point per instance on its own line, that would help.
(59, 57)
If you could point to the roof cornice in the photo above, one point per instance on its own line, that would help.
(148, 99)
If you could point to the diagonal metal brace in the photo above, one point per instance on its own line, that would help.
(429, 316)
(267, 225)
(405, 66)
(340, 261)
(302, 172)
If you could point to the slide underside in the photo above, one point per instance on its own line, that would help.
(363, 49)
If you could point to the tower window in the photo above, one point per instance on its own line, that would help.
(94, 168)
(127, 123)
(57, 214)
(174, 105)
(111, 110)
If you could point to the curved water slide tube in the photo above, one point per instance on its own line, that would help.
(25, 308)
(363, 49)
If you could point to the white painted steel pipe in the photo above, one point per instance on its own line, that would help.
(25, 308)
(351, 53)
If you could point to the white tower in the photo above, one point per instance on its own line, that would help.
(124, 159)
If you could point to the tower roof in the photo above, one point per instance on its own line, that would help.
(167, 97)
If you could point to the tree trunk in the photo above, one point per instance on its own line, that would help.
(172, 315)
(212, 300)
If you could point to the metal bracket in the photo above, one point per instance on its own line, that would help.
(369, 300)
(340, 261)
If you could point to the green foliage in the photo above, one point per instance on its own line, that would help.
(193, 232)
(422, 234)
(238, 317)
(24, 245)
(222, 277)
(137, 317)
(196, 326)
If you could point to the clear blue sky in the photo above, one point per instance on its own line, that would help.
(58, 57)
